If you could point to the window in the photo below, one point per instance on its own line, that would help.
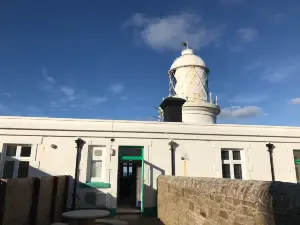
(226, 170)
(96, 168)
(8, 171)
(11, 150)
(23, 169)
(96, 163)
(236, 155)
(127, 169)
(16, 161)
(225, 155)
(232, 163)
(25, 151)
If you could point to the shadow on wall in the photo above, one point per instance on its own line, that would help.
(284, 199)
(40, 198)
(187, 200)
(150, 191)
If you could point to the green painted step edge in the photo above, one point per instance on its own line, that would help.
(150, 211)
(95, 185)
(112, 212)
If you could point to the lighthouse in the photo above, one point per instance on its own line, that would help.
(189, 81)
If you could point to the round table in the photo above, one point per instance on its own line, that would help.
(85, 217)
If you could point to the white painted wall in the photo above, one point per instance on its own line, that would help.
(201, 143)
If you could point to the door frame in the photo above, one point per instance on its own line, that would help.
(135, 158)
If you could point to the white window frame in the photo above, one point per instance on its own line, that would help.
(17, 158)
(101, 158)
(231, 162)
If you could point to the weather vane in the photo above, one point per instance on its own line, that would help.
(185, 44)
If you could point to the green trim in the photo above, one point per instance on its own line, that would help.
(112, 212)
(297, 161)
(136, 157)
(95, 185)
(143, 180)
(150, 211)
(131, 158)
(125, 146)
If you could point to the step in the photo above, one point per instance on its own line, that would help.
(111, 221)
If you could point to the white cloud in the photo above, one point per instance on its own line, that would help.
(235, 48)
(7, 94)
(48, 81)
(271, 15)
(47, 77)
(283, 70)
(241, 112)
(294, 101)
(90, 102)
(277, 17)
(253, 66)
(247, 34)
(168, 32)
(84, 101)
(116, 88)
(137, 20)
(69, 92)
(98, 99)
(248, 99)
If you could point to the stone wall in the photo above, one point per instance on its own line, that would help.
(208, 201)
(33, 201)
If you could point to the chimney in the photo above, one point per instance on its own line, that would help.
(172, 108)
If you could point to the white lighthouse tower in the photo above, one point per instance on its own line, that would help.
(189, 80)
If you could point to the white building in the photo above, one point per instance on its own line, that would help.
(124, 158)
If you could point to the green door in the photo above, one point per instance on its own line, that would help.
(140, 157)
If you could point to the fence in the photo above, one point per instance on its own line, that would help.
(33, 201)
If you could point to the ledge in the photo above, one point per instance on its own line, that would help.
(94, 185)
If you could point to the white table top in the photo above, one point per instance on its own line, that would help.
(85, 214)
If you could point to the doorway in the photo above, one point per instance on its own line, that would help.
(130, 179)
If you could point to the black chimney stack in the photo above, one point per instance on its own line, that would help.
(172, 108)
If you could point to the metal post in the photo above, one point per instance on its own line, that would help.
(270, 150)
(79, 145)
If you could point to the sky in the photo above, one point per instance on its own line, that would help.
(110, 59)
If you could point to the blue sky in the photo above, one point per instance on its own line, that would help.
(109, 59)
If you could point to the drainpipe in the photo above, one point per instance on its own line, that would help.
(270, 150)
(173, 161)
(172, 148)
(79, 145)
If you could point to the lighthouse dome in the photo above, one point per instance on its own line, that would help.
(187, 58)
